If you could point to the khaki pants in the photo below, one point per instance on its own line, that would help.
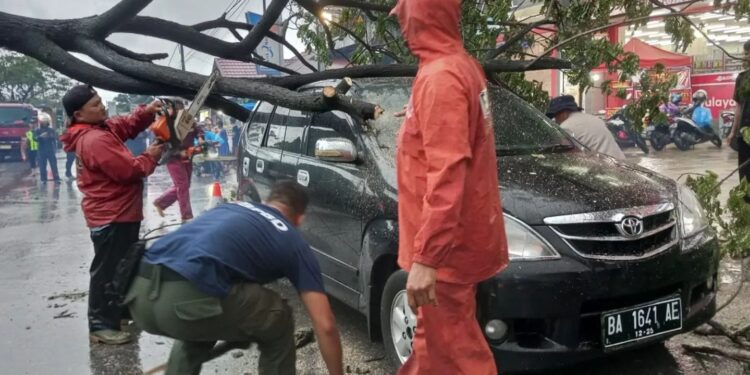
(251, 313)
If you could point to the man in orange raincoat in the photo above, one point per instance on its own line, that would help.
(451, 226)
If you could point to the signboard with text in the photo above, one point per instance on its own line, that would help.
(268, 49)
(720, 90)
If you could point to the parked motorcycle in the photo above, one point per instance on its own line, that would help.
(687, 133)
(725, 123)
(622, 129)
(660, 135)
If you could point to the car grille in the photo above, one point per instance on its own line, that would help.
(619, 234)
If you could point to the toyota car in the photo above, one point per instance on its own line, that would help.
(604, 255)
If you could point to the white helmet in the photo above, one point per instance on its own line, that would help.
(700, 96)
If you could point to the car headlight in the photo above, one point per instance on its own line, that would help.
(524, 243)
(692, 215)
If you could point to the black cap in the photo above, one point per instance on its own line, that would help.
(76, 97)
(562, 103)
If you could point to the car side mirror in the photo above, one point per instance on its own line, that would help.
(339, 150)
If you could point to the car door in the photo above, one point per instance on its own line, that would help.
(268, 166)
(292, 145)
(250, 166)
(333, 224)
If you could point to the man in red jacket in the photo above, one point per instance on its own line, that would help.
(451, 230)
(111, 180)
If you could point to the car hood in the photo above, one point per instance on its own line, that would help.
(538, 186)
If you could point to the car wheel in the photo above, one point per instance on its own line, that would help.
(397, 322)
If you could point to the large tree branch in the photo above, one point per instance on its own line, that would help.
(192, 37)
(259, 31)
(135, 55)
(405, 70)
(318, 6)
(222, 23)
(225, 86)
(104, 24)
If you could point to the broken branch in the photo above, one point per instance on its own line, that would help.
(736, 354)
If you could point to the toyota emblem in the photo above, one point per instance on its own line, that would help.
(631, 227)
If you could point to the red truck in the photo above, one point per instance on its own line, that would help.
(14, 123)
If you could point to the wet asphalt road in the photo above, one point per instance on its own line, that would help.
(45, 252)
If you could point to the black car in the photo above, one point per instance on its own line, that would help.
(604, 255)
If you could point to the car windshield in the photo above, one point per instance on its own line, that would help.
(519, 128)
(10, 115)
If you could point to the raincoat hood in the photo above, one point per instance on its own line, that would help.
(72, 135)
(431, 27)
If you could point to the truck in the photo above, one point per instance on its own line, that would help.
(15, 121)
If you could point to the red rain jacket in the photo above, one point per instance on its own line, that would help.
(449, 199)
(109, 176)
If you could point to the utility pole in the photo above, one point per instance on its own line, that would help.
(182, 56)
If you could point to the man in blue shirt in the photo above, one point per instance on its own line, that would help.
(204, 283)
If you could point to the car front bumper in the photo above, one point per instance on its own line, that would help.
(553, 308)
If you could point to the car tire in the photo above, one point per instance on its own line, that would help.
(393, 300)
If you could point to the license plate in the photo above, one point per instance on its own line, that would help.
(638, 323)
(5, 147)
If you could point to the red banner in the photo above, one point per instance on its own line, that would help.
(720, 89)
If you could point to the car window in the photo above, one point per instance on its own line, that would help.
(257, 126)
(519, 127)
(332, 124)
(277, 128)
(295, 127)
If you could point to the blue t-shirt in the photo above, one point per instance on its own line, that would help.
(238, 242)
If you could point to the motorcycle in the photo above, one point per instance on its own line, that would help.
(660, 135)
(726, 122)
(625, 136)
(687, 133)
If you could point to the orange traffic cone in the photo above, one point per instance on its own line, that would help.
(216, 197)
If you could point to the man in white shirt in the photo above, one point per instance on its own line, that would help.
(591, 131)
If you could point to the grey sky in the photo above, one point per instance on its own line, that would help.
(182, 11)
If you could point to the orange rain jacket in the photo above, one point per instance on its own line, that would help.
(448, 195)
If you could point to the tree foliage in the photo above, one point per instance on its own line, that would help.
(26, 80)
(563, 27)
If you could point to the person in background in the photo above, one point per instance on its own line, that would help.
(742, 117)
(590, 130)
(224, 148)
(451, 226)
(205, 282)
(180, 168)
(70, 159)
(46, 139)
(111, 180)
(235, 136)
(32, 146)
(701, 115)
(672, 108)
(213, 141)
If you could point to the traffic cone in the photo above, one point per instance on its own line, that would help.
(216, 197)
